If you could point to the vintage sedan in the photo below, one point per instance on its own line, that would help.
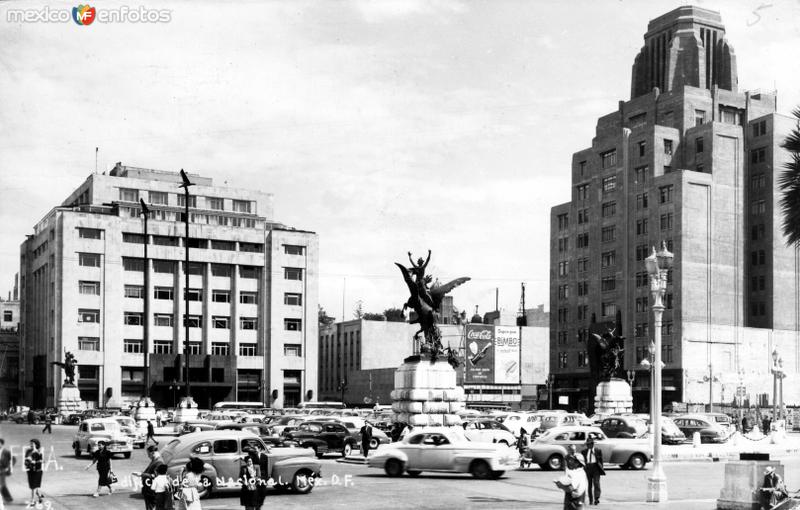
(550, 448)
(710, 430)
(221, 451)
(488, 430)
(132, 430)
(624, 426)
(93, 431)
(324, 437)
(443, 449)
(263, 431)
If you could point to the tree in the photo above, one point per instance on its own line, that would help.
(789, 183)
(358, 312)
(394, 315)
(373, 317)
(324, 318)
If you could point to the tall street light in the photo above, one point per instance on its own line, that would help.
(146, 340)
(185, 185)
(777, 374)
(648, 363)
(658, 266)
(711, 379)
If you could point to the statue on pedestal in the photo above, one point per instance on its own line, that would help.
(605, 355)
(68, 365)
(425, 300)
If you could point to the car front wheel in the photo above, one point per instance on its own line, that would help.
(637, 461)
(555, 462)
(480, 470)
(347, 450)
(373, 443)
(393, 467)
(77, 452)
(303, 482)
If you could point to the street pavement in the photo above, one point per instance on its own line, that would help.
(348, 483)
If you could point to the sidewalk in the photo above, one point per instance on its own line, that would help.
(788, 445)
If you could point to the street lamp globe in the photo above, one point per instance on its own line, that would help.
(665, 257)
(651, 263)
(775, 355)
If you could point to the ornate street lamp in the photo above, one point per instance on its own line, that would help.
(146, 340)
(777, 374)
(658, 267)
(551, 379)
(711, 379)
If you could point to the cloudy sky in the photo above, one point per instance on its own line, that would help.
(382, 126)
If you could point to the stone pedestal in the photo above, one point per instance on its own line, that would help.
(145, 410)
(187, 410)
(743, 479)
(426, 394)
(69, 401)
(613, 397)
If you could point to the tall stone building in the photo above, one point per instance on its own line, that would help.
(87, 288)
(692, 161)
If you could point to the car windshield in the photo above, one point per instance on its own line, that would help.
(310, 427)
(169, 451)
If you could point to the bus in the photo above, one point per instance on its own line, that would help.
(229, 406)
(320, 405)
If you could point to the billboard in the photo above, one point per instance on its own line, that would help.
(479, 360)
(506, 355)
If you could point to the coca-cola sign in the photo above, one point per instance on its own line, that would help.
(480, 354)
(483, 334)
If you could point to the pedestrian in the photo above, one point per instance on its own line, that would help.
(574, 482)
(250, 478)
(151, 433)
(773, 490)
(192, 479)
(765, 424)
(31, 417)
(6, 468)
(593, 465)
(406, 431)
(162, 489)
(48, 422)
(33, 466)
(366, 439)
(148, 476)
(102, 457)
(158, 419)
(523, 443)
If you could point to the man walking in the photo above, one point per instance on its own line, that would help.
(366, 439)
(6, 461)
(48, 422)
(148, 475)
(593, 465)
(151, 433)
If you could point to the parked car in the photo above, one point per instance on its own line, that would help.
(263, 431)
(188, 427)
(488, 430)
(222, 451)
(444, 449)
(550, 448)
(515, 422)
(283, 422)
(710, 430)
(335, 436)
(670, 433)
(724, 420)
(132, 430)
(92, 431)
(354, 424)
(624, 426)
(552, 419)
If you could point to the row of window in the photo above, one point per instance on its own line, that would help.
(167, 293)
(92, 315)
(162, 198)
(643, 353)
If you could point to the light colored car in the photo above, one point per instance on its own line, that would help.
(443, 449)
(92, 431)
(222, 451)
(550, 448)
(488, 430)
(130, 428)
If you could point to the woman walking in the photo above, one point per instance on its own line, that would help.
(33, 465)
(250, 477)
(102, 457)
(192, 479)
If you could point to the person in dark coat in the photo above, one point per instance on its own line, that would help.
(593, 465)
(6, 463)
(102, 457)
(151, 433)
(149, 473)
(48, 423)
(366, 438)
(250, 478)
(765, 425)
(773, 490)
(33, 466)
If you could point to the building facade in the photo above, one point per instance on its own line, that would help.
(87, 288)
(9, 352)
(691, 161)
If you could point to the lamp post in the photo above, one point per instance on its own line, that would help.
(658, 266)
(174, 387)
(146, 340)
(740, 392)
(342, 388)
(710, 379)
(777, 374)
(551, 378)
(648, 363)
(185, 185)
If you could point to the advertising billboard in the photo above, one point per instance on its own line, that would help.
(479, 354)
(506, 355)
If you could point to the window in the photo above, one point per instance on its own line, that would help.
(761, 257)
(218, 204)
(251, 247)
(132, 346)
(249, 272)
(292, 273)
(88, 343)
(163, 319)
(88, 287)
(562, 360)
(292, 324)
(133, 318)
(221, 270)
(128, 237)
(642, 252)
(563, 291)
(166, 241)
(758, 155)
(242, 206)
(292, 299)
(757, 232)
(293, 249)
(642, 279)
(248, 323)
(668, 147)
(247, 350)
(563, 221)
(666, 221)
(88, 315)
(200, 244)
(666, 353)
(164, 266)
(193, 294)
(582, 168)
(640, 174)
(698, 145)
(665, 194)
(668, 301)
(128, 195)
(583, 265)
(563, 243)
(248, 298)
(195, 348)
(89, 259)
(221, 296)
(8, 316)
(220, 322)
(158, 197)
(641, 305)
(642, 148)
(758, 207)
(195, 268)
(582, 240)
(583, 359)
(583, 288)
(195, 321)
(760, 128)
(608, 258)
(89, 233)
(699, 117)
(608, 234)
(563, 268)
(223, 245)
(134, 291)
(641, 201)
(162, 347)
(609, 183)
(667, 328)
(295, 350)
(608, 309)
(582, 192)
(642, 329)
(163, 293)
(182, 201)
(608, 283)
(220, 349)
(609, 158)
(609, 209)
(583, 216)
(583, 314)
(562, 337)
(758, 181)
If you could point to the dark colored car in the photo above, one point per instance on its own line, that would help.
(626, 427)
(335, 435)
(263, 431)
(710, 431)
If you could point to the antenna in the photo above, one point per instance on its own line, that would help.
(522, 320)
(96, 150)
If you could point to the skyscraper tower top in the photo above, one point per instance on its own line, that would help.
(686, 46)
